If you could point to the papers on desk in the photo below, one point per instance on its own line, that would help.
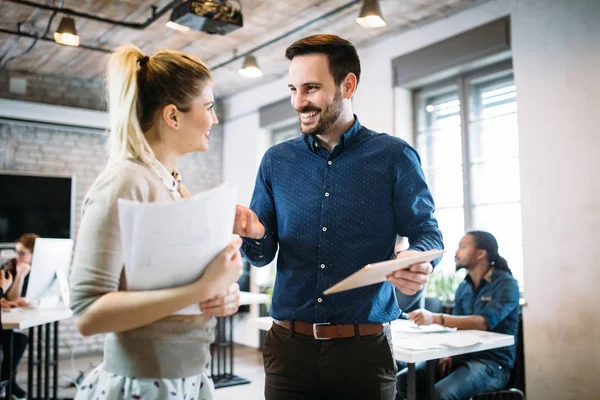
(411, 327)
(169, 244)
(407, 335)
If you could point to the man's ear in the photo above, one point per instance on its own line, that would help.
(349, 85)
(170, 116)
(481, 254)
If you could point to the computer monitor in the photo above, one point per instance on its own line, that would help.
(49, 257)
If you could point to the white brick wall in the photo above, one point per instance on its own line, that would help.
(38, 148)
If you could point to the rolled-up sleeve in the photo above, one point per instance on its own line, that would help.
(413, 204)
(97, 266)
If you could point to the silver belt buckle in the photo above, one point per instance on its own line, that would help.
(315, 325)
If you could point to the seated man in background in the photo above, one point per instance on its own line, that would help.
(488, 299)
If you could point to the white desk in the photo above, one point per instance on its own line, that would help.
(30, 318)
(23, 318)
(487, 341)
(480, 340)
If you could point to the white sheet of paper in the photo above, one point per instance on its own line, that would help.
(169, 244)
(410, 327)
(377, 272)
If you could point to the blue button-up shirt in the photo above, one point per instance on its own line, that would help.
(497, 300)
(333, 213)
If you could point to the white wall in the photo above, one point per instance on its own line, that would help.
(556, 50)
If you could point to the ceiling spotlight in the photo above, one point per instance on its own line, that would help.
(250, 68)
(66, 32)
(370, 15)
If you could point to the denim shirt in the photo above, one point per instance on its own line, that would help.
(497, 300)
(330, 214)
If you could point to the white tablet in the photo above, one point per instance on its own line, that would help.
(377, 272)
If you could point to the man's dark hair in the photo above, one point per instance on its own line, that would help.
(486, 241)
(341, 54)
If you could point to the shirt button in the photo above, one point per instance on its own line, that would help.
(322, 266)
(324, 229)
(320, 300)
(329, 162)
(326, 194)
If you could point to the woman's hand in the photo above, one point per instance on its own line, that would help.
(224, 305)
(23, 269)
(224, 270)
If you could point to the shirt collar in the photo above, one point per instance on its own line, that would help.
(487, 277)
(350, 138)
(171, 180)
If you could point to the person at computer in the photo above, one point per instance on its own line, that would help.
(18, 268)
(487, 299)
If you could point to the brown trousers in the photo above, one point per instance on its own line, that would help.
(300, 367)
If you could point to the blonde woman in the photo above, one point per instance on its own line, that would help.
(160, 108)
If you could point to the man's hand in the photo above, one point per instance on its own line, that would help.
(445, 366)
(409, 281)
(422, 317)
(5, 280)
(222, 306)
(247, 224)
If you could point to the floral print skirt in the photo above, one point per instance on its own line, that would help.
(102, 385)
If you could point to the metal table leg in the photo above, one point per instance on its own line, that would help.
(411, 390)
(47, 362)
(39, 362)
(431, 379)
(55, 361)
(30, 361)
(11, 342)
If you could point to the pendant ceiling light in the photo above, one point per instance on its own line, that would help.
(370, 15)
(250, 68)
(66, 32)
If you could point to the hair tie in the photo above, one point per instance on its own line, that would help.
(143, 61)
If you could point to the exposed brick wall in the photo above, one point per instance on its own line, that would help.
(40, 148)
(56, 90)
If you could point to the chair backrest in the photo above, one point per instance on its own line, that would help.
(506, 394)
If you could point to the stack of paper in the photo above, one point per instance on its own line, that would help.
(169, 244)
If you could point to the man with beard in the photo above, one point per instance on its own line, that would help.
(488, 300)
(333, 200)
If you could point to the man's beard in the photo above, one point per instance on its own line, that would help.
(327, 117)
(461, 266)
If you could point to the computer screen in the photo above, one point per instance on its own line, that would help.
(35, 204)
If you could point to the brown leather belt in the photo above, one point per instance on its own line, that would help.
(327, 331)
